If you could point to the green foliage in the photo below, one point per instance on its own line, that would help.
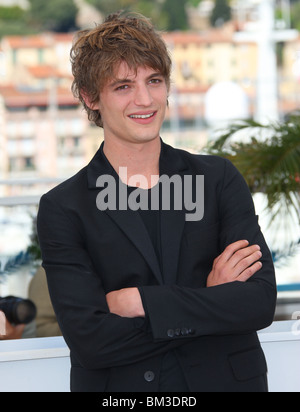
(166, 14)
(159, 17)
(60, 15)
(111, 6)
(194, 3)
(221, 13)
(270, 162)
(295, 15)
(56, 15)
(13, 20)
(177, 16)
(11, 13)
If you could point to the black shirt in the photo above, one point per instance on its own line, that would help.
(171, 376)
(151, 220)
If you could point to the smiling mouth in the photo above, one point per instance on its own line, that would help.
(142, 116)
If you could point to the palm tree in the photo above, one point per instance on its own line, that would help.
(269, 160)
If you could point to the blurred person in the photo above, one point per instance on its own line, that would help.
(148, 299)
(17, 318)
(45, 321)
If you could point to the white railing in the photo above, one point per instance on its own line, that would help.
(34, 365)
(43, 365)
(26, 200)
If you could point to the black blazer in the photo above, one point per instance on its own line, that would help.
(88, 253)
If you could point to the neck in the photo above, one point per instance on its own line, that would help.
(138, 159)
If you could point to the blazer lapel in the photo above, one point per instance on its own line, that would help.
(130, 222)
(133, 227)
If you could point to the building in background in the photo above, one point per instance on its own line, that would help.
(45, 133)
(45, 136)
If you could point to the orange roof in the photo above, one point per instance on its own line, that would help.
(193, 90)
(207, 37)
(39, 41)
(21, 42)
(44, 72)
(45, 40)
(183, 38)
(63, 37)
(14, 97)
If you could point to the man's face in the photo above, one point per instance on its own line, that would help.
(133, 106)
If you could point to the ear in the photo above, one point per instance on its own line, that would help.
(87, 101)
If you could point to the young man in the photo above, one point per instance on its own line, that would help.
(157, 297)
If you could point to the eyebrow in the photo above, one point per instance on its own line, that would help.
(119, 82)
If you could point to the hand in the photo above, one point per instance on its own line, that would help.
(126, 303)
(239, 262)
(8, 331)
(2, 325)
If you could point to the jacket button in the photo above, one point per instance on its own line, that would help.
(149, 376)
(184, 331)
(171, 333)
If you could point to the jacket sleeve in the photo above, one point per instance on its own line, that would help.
(97, 338)
(233, 308)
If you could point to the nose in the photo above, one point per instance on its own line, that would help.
(143, 96)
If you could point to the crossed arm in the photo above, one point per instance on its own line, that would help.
(239, 262)
(105, 330)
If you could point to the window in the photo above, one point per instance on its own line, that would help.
(29, 163)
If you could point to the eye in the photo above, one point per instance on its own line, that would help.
(155, 81)
(123, 87)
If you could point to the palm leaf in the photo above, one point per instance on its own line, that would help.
(269, 159)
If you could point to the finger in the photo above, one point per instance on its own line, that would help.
(247, 263)
(216, 261)
(231, 250)
(244, 255)
(249, 272)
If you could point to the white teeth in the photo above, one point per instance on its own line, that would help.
(142, 116)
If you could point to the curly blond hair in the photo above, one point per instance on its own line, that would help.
(97, 54)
